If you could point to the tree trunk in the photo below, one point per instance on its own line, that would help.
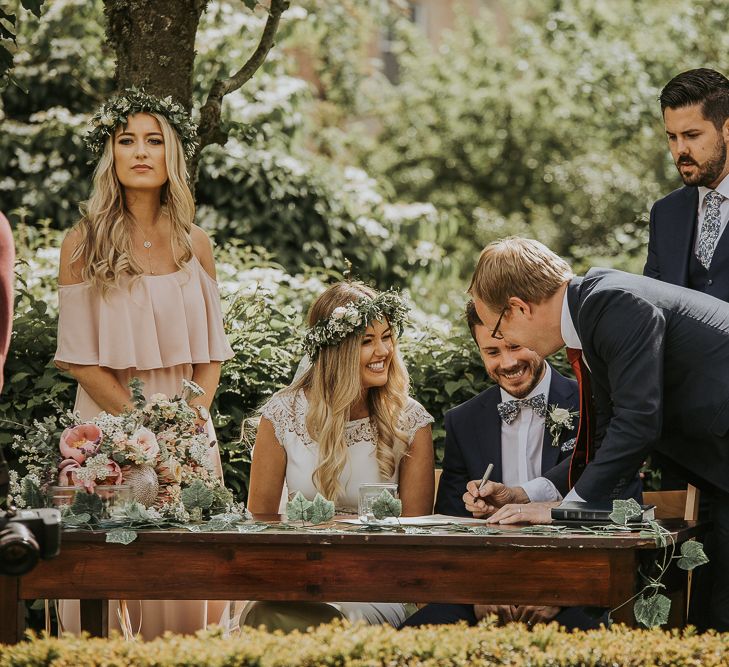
(154, 43)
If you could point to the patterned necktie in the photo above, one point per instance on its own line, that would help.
(508, 410)
(584, 449)
(710, 229)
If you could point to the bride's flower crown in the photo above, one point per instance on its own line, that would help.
(114, 112)
(355, 317)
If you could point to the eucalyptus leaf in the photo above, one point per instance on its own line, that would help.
(137, 388)
(88, 503)
(625, 510)
(652, 611)
(322, 510)
(121, 536)
(299, 508)
(197, 496)
(76, 519)
(386, 505)
(135, 511)
(484, 530)
(692, 555)
(252, 528)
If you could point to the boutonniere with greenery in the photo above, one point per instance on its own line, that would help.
(557, 420)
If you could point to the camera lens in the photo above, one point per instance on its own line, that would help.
(18, 550)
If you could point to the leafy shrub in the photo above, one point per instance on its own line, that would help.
(265, 187)
(361, 645)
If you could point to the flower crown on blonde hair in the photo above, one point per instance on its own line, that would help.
(115, 111)
(355, 317)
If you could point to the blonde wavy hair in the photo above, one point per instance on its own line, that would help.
(105, 247)
(333, 384)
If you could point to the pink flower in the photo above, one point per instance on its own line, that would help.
(170, 471)
(114, 475)
(67, 473)
(80, 441)
(146, 442)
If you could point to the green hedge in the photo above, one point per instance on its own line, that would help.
(367, 646)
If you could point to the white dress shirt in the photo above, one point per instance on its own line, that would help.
(546, 491)
(722, 189)
(571, 339)
(521, 446)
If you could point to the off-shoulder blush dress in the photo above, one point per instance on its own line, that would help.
(155, 328)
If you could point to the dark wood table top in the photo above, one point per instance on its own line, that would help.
(348, 534)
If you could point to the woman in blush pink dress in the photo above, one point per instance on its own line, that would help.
(138, 297)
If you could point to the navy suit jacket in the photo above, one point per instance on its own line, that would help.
(659, 364)
(473, 440)
(671, 241)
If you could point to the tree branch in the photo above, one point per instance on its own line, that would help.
(209, 131)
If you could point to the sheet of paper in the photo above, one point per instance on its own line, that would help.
(429, 520)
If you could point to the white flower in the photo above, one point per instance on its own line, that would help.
(561, 416)
(339, 312)
(146, 442)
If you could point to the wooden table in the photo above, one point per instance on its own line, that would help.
(510, 568)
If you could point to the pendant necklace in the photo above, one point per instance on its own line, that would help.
(148, 244)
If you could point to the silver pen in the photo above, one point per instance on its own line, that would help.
(486, 476)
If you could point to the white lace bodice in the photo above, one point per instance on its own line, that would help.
(287, 414)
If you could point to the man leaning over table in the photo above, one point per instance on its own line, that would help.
(656, 358)
(524, 425)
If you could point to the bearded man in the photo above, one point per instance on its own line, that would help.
(687, 245)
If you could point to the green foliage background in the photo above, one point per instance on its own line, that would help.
(548, 126)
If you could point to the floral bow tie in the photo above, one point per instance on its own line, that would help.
(508, 410)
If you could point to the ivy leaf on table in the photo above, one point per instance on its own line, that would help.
(197, 496)
(121, 536)
(299, 508)
(74, 520)
(692, 555)
(652, 611)
(386, 505)
(624, 511)
(322, 510)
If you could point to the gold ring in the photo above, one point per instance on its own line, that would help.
(520, 510)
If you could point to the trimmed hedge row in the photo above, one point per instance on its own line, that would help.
(360, 645)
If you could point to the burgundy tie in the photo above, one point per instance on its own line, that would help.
(585, 441)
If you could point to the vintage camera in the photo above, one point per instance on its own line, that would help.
(26, 536)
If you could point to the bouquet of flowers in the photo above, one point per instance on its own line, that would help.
(156, 449)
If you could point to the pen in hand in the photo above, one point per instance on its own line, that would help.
(486, 476)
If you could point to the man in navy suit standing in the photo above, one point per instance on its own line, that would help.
(687, 245)
(519, 426)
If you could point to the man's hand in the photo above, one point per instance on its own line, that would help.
(531, 513)
(504, 612)
(493, 495)
(533, 615)
(528, 614)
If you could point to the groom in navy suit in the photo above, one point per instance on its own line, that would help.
(477, 435)
(508, 425)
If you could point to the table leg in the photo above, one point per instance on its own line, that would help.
(95, 617)
(12, 611)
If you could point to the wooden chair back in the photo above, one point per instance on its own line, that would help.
(674, 504)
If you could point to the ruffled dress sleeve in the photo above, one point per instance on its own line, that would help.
(281, 411)
(146, 323)
(413, 418)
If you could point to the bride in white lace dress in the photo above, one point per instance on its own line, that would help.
(348, 420)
